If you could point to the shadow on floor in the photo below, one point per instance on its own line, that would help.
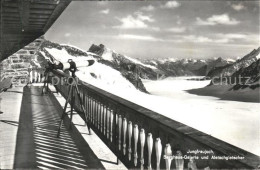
(14, 123)
(37, 145)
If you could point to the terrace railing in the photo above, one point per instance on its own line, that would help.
(141, 138)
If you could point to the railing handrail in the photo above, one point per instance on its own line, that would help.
(173, 126)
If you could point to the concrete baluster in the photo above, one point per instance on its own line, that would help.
(130, 131)
(192, 164)
(168, 156)
(108, 121)
(150, 149)
(111, 125)
(158, 150)
(119, 131)
(142, 141)
(179, 162)
(124, 135)
(136, 132)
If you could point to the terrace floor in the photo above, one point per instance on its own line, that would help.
(28, 128)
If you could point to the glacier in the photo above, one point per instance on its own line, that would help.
(230, 121)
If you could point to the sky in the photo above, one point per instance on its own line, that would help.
(162, 29)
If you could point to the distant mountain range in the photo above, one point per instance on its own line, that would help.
(247, 66)
(188, 67)
(136, 69)
(173, 67)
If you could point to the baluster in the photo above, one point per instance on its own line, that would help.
(119, 131)
(86, 106)
(97, 113)
(108, 122)
(105, 119)
(124, 135)
(116, 116)
(179, 162)
(142, 141)
(111, 125)
(136, 132)
(158, 149)
(168, 156)
(150, 149)
(130, 131)
(192, 164)
(92, 111)
(101, 116)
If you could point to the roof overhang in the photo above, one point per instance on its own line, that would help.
(22, 21)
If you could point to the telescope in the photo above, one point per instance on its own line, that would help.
(71, 65)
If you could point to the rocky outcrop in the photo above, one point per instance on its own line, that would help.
(247, 77)
(103, 55)
(132, 69)
(230, 69)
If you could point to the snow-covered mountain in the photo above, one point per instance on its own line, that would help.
(250, 76)
(133, 70)
(230, 69)
(154, 68)
(187, 67)
(102, 74)
(129, 67)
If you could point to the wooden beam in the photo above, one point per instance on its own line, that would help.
(25, 20)
(42, 6)
(48, 2)
(11, 19)
(38, 11)
(56, 13)
(24, 10)
(39, 16)
(11, 22)
(11, 10)
(37, 19)
(11, 15)
(37, 22)
(11, 4)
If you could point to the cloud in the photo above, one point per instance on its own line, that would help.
(136, 21)
(233, 36)
(177, 29)
(238, 7)
(217, 38)
(105, 11)
(223, 19)
(171, 4)
(204, 39)
(144, 17)
(102, 3)
(67, 34)
(200, 39)
(138, 37)
(148, 8)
